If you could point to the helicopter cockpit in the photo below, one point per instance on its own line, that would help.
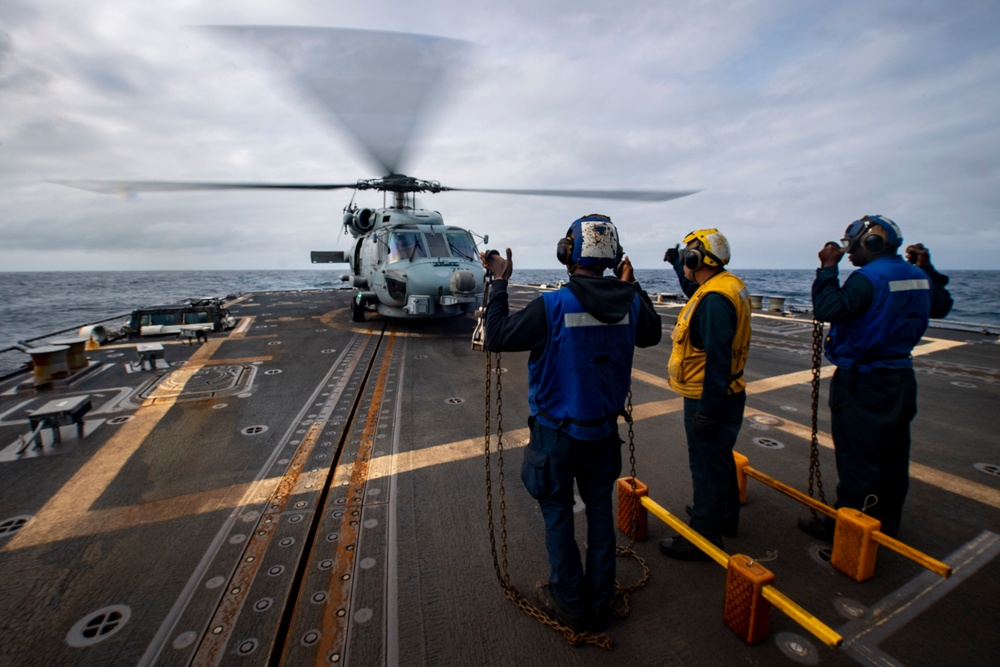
(410, 245)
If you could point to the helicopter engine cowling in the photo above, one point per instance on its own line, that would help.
(360, 222)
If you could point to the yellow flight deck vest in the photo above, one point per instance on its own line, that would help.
(686, 367)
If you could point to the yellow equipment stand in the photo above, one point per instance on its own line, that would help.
(749, 593)
(856, 535)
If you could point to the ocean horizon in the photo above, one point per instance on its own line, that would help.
(36, 304)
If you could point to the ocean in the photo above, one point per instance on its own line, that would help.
(38, 304)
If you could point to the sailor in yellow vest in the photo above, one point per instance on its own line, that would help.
(710, 344)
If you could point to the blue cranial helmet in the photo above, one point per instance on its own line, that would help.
(872, 232)
(591, 242)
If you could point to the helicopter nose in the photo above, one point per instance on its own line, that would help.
(463, 282)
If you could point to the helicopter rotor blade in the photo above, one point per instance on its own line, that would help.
(134, 187)
(377, 85)
(628, 195)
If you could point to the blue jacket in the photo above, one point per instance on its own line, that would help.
(582, 380)
(884, 335)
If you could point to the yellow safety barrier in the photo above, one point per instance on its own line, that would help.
(749, 593)
(856, 535)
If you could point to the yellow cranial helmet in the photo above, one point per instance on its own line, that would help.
(712, 249)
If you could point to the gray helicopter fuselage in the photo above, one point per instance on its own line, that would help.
(408, 263)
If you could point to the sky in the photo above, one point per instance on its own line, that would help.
(790, 117)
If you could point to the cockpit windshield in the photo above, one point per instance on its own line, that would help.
(462, 245)
(415, 245)
(406, 245)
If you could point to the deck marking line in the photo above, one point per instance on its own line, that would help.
(862, 636)
(212, 646)
(335, 632)
(391, 630)
(261, 482)
(960, 486)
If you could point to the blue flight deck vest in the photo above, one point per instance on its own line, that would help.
(885, 334)
(580, 383)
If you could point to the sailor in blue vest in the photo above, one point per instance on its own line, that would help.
(581, 339)
(877, 317)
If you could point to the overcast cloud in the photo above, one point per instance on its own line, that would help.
(793, 118)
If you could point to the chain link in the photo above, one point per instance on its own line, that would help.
(815, 475)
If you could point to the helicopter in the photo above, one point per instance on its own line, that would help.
(405, 262)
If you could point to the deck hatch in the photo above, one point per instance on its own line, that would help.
(201, 383)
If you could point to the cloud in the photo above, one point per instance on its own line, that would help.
(794, 118)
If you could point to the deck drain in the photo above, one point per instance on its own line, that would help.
(454, 400)
(760, 427)
(769, 443)
(246, 647)
(119, 420)
(766, 419)
(363, 615)
(185, 639)
(964, 385)
(327, 351)
(263, 604)
(420, 356)
(275, 342)
(273, 371)
(797, 647)
(254, 430)
(98, 625)
(988, 468)
(13, 524)
(850, 608)
(220, 406)
(789, 408)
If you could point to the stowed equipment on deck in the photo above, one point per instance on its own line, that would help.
(749, 593)
(856, 535)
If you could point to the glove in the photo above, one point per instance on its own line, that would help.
(703, 424)
(672, 255)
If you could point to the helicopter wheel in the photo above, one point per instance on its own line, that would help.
(357, 310)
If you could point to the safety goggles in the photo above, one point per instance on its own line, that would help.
(854, 232)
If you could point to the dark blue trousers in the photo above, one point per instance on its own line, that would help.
(870, 422)
(552, 460)
(716, 502)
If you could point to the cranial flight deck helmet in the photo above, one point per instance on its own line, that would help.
(873, 233)
(712, 249)
(590, 242)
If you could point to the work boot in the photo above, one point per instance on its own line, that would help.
(819, 527)
(546, 600)
(727, 531)
(680, 548)
(600, 617)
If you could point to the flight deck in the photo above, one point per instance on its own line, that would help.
(306, 489)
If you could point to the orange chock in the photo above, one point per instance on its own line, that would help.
(633, 518)
(741, 475)
(854, 546)
(746, 612)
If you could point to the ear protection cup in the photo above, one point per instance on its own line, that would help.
(564, 250)
(693, 259)
(873, 243)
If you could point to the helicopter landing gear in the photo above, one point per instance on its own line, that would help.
(357, 309)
